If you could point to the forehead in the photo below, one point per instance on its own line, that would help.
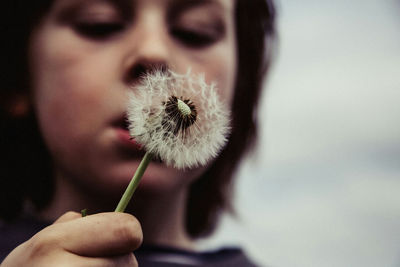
(225, 4)
(129, 7)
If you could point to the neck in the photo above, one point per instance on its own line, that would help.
(71, 197)
(163, 219)
(162, 215)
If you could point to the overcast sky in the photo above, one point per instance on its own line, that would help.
(323, 188)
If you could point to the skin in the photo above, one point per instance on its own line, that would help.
(84, 56)
(82, 245)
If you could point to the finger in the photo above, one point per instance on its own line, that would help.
(127, 260)
(102, 234)
(69, 259)
(124, 260)
(68, 216)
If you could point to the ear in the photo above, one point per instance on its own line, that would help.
(19, 106)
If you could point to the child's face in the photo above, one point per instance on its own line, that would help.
(85, 55)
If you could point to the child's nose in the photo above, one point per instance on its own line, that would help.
(148, 49)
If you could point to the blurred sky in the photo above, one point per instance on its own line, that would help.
(323, 188)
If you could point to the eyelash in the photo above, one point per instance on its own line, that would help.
(193, 38)
(104, 30)
(99, 30)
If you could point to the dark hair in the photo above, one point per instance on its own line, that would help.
(255, 30)
(26, 165)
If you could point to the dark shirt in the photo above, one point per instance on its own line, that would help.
(13, 234)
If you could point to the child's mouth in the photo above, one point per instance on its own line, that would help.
(123, 135)
(128, 142)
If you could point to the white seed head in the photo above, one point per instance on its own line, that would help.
(179, 118)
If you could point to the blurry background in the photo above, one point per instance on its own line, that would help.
(323, 188)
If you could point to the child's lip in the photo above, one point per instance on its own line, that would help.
(128, 142)
(124, 137)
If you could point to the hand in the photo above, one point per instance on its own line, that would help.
(103, 239)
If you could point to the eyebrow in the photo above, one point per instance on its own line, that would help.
(179, 6)
(124, 3)
(193, 3)
(125, 6)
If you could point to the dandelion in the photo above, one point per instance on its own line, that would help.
(177, 118)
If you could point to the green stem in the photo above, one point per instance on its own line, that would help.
(133, 184)
(84, 212)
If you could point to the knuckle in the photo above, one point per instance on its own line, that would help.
(129, 231)
(68, 216)
(71, 214)
(42, 243)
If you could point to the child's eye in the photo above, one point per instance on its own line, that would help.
(99, 30)
(194, 38)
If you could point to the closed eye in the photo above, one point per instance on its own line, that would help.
(194, 38)
(98, 30)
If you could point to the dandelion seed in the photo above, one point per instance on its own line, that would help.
(179, 118)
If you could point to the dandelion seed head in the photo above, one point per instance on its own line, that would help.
(178, 117)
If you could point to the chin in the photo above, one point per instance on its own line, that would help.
(160, 179)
